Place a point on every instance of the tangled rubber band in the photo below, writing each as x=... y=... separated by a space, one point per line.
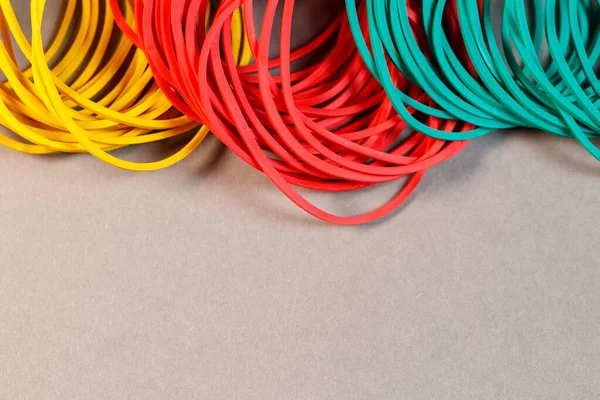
x=507 y=83
x=326 y=127
x=85 y=101
x=397 y=87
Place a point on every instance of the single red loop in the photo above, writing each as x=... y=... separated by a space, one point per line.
x=327 y=127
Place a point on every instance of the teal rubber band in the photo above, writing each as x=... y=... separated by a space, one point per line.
x=505 y=84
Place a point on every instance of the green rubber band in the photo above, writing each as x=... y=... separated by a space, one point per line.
x=505 y=84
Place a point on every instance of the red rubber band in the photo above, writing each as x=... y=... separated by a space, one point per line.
x=328 y=127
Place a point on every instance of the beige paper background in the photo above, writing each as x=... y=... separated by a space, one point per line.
x=203 y=282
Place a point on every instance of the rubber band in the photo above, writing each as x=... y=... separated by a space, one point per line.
x=504 y=84
x=326 y=127
x=81 y=99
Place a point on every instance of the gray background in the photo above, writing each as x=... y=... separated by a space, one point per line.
x=203 y=282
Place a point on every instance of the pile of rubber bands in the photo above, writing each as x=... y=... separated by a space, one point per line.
x=389 y=89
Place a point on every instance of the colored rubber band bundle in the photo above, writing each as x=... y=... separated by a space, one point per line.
x=507 y=83
x=328 y=126
x=388 y=90
x=75 y=99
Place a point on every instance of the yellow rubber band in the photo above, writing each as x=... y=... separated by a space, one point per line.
x=80 y=100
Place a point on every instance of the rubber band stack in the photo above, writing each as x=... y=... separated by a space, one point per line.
x=388 y=90
x=511 y=82
x=326 y=127
x=77 y=105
